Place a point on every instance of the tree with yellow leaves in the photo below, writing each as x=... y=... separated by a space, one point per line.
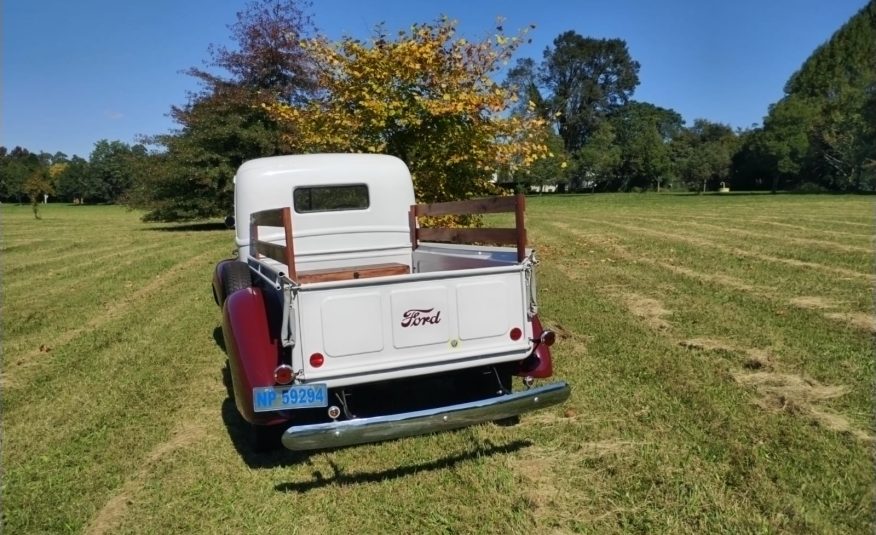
x=426 y=96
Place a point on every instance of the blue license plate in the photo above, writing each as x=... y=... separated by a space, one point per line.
x=276 y=398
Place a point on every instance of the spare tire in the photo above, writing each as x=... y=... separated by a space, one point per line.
x=235 y=276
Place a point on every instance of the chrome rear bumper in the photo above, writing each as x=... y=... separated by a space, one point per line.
x=378 y=428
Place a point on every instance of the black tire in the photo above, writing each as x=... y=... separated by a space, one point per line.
x=235 y=276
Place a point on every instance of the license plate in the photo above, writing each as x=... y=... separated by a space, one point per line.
x=275 y=398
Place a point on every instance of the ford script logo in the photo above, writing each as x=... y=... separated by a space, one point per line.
x=419 y=316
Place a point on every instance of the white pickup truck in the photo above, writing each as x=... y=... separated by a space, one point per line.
x=346 y=322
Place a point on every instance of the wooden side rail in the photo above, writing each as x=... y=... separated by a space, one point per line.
x=278 y=217
x=489 y=205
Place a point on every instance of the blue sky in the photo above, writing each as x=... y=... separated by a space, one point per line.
x=77 y=72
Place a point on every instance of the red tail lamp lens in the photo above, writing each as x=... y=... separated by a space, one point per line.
x=284 y=374
x=317 y=360
x=516 y=333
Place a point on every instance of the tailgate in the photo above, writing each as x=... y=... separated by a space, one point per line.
x=413 y=324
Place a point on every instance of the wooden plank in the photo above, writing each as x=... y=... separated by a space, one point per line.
x=412 y=224
x=519 y=224
x=267 y=218
x=497 y=236
x=486 y=205
x=290 y=244
x=271 y=250
x=351 y=273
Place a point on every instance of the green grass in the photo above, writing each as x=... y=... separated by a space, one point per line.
x=719 y=348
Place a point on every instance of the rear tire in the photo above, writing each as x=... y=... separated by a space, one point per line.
x=235 y=276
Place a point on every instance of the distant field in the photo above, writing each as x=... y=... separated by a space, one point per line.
x=719 y=348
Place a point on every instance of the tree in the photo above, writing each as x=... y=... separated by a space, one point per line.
x=523 y=81
x=588 y=79
x=112 y=167
x=643 y=133
x=35 y=186
x=820 y=132
x=226 y=122
x=703 y=154
x=597 y=161
x=425 y=96
x=552 y=169
x=77 y=184
x=16 y=167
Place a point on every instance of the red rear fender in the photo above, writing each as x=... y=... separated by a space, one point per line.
x=539 y=364
x=253 y=347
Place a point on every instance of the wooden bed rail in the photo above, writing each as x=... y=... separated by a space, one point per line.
x=278 y=217
x=495 y=236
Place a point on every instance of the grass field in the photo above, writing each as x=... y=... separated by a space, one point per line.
x=720 y=351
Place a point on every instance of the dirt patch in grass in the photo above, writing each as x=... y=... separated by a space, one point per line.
x=707 y=344
x=799 y=396
x=858 y=320
x=540 y=486
x=546 y=490
x=811 y=302
x=755 y=359
x=758 y=359
x=649 y=310
x=567 y=335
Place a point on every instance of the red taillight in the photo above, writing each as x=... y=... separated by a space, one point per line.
x=284 y=374
x=516 y=333
x=317 y=360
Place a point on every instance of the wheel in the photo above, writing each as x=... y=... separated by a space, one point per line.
x=235 y=276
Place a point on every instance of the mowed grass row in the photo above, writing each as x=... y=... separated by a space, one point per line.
x=719 y=349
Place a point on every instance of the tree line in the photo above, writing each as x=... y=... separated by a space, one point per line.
x=434 y=99
x=820 y=137
x=105 y=177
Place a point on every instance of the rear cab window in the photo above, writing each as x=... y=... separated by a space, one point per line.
x=308 y=199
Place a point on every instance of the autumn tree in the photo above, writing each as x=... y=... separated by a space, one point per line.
x=424 y=95
x=524 y=82
x=37 y=184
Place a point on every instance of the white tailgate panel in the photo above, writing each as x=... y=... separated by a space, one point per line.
x=482 y=309
x=352 y=325
x=375 y=331
x=420 y=316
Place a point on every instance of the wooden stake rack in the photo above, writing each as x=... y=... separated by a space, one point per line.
x=282 y=217
x=285 y=254
x=493 y=236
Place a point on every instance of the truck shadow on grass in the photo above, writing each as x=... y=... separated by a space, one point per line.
x=339 y=477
